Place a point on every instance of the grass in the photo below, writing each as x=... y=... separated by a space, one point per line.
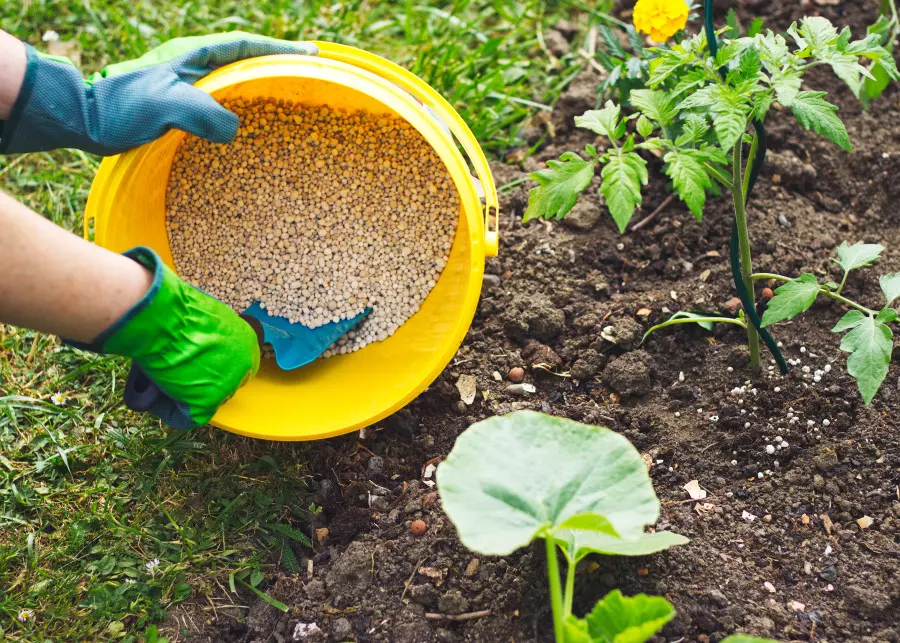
x=92 y=495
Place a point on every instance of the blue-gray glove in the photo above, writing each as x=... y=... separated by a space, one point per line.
x=131 y=103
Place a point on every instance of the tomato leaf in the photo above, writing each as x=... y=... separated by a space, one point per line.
x=694 y=129
x=858 y=255
x=623 y=177
x=851 y=319
x=815 y=113
x=656 y=105
x=601 y=121
x=559 y=187
x=890 y=286
x=870 y=343
x=690 y=178
x=791 y=299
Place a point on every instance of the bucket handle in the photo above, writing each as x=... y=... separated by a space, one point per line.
x=424 y=92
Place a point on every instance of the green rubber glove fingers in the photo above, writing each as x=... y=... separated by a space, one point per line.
x=131 y=103
x=196 y=350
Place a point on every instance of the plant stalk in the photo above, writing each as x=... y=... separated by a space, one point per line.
x=569 y=595
x=843 y=282
x=740 y=218
x=556 y=600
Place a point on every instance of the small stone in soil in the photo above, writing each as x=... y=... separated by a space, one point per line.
x=418 y=528
x=516 y=375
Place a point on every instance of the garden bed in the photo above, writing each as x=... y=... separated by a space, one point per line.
x=776 y=549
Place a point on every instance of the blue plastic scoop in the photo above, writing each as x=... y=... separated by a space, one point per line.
x=296 y=345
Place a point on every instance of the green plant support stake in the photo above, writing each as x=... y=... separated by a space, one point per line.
x=755 y=330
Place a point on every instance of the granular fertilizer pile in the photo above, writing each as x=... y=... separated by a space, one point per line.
x=317 y=214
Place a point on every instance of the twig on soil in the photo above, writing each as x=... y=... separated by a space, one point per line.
x=646 y=220
x=410 y=579
x=431 y=616
x=684 y=502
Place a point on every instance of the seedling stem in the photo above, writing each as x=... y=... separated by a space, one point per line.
x=556 y=599
x=738 y=192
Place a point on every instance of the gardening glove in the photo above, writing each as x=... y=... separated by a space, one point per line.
x=192 y=350
x=131 y=103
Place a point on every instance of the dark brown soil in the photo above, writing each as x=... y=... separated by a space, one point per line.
x=800 y=570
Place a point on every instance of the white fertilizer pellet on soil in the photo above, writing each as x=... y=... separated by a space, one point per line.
x=317 y=214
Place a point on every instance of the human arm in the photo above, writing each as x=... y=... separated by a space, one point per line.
x=58 y=283
x=194 y=348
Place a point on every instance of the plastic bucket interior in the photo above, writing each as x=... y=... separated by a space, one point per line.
x=126 y=208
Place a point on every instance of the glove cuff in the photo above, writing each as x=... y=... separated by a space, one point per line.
x=150 y=260
x=8 y=126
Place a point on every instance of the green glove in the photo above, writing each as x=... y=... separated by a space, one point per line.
x=194 y=349
x=130 y=103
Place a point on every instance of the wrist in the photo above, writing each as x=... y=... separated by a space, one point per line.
x=13 y=64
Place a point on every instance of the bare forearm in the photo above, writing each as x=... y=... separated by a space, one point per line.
x=56 y=282
x=13 y=61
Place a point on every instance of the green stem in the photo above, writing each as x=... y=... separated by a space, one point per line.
x=694 y=320
x=556 y=600
x=895 y=19
x=740 y=217
x=751 y=156
x=719 y=176
x=822 y=289
x=569 y=596
x=843 y=281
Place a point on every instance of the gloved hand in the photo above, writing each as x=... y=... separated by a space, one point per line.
x=193 y=348
x=130 y=103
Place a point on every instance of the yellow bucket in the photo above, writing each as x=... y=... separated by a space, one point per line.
x=126 y=208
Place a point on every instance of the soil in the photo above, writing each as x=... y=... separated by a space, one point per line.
x=776 y=551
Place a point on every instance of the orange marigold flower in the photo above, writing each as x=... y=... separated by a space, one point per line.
x=660 y=19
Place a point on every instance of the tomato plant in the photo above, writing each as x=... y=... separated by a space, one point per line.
x=702 y=97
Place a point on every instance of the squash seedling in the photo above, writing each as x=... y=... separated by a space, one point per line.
x=581 y=489
x=702 y=95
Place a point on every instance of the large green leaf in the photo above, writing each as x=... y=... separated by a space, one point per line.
x=601 y=121
x=623 y=176
x=870 y=343
x=890 y=286
x=690 y=178
x=655 y=104
x=577 y=543
x=513 y=478
x=815 y=113
x=620 y=619
x=858 y=255
x=559 y=187
x=791 y=299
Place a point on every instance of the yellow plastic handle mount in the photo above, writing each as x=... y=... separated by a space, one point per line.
x=444 y=110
